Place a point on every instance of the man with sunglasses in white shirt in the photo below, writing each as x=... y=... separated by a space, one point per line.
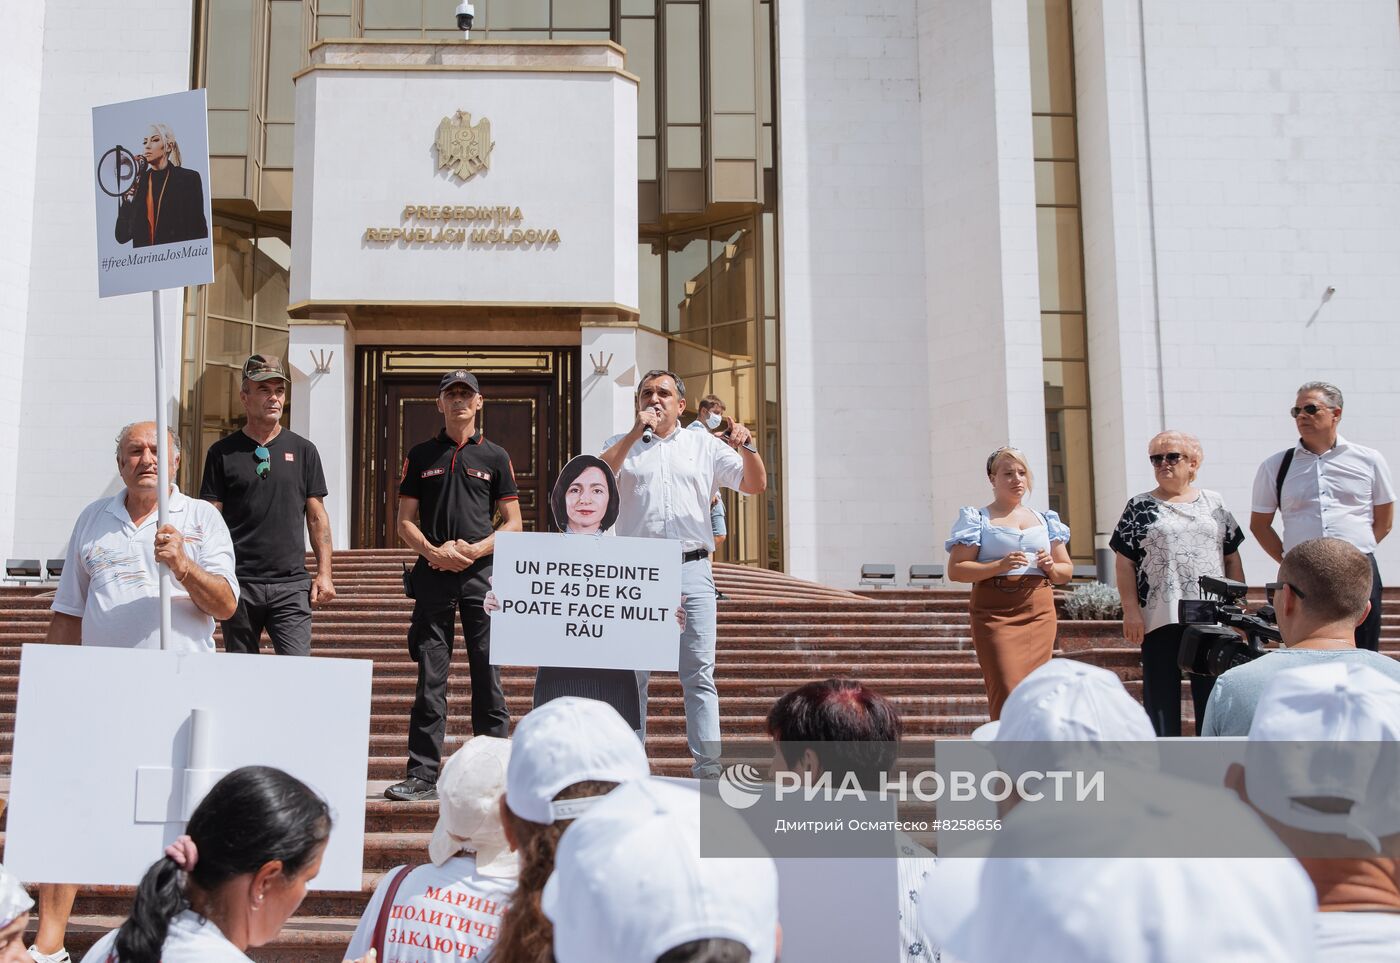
x=1326 y=487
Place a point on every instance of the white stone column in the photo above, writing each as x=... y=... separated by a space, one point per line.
x=323 y=405
x=985 y=379
x=606 y=398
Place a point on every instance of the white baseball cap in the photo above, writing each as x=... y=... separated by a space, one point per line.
x=1132 y=909
x=1067 y=701
x=629 y=882
x=469 y=814
x=1290 y=768
x=565 y=741
x=14 y=901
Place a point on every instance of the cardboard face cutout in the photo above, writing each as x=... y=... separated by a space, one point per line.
x=585 y=498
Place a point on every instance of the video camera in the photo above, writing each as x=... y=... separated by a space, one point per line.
x=1210 y=645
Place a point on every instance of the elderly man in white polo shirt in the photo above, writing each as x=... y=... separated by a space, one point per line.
x=110 y=592
x=667 y=477
x=1327 y=487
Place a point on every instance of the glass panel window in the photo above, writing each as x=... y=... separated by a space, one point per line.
x=231 y=294
x=228 y=342
x=683 y=148
x=333 y=28
x=279 y=146
x=1061 y=271
x=270 y=342
x=284 y=53
x=1054 y=138
x=519 y=15
x=582 y=13
x=639 y=37
x=226 y=68
x=1066 y=384
x=733 y=86
x=638 y=8
x=683 y=63
x=649 y=283
x=228 y=132
x=393 y=13
x=686 y=276
x=1056 y=182
x=1070 y=488
x=1052 y=57
x=735 y=135
x=1062 y=335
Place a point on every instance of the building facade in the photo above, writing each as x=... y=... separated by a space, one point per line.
x=893 y=237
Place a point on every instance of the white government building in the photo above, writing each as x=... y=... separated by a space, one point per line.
x=893 y=235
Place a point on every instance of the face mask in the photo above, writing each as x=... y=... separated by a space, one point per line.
x=713 y=420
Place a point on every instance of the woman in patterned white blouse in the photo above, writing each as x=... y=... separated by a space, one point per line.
x=1165 y=541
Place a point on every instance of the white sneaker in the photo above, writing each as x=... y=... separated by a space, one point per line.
x=60 y=957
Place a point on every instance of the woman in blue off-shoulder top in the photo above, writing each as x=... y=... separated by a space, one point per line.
x=1011 y=554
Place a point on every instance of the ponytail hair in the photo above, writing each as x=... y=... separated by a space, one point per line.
x=527 y=935
x=251 y=817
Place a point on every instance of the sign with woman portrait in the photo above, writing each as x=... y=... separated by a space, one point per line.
x=151 y=171
x=582 y=598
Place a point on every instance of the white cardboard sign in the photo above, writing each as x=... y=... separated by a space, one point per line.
x=151 y=177
x=103 y=737
x=586 y=601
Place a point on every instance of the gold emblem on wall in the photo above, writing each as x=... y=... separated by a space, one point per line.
x=464 y=148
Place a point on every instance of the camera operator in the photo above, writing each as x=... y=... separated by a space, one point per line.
x=1322 y=594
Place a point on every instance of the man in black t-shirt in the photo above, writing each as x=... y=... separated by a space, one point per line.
x=450 y=489
x=268 y=483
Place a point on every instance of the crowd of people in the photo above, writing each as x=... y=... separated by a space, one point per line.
x=557 y=843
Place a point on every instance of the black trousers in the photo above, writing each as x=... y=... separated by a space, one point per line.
x=1368 y=633
x=283 y=608
x=441 y=598
x=1161 y=681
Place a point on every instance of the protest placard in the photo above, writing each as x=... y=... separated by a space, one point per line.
x=586 y=601
x=151 y=171
x=106 y=777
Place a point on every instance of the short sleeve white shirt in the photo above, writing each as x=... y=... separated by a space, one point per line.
x=666 y=486
x=111 y=579
x=1330 y=495
x=441 y=914
x=191 y=939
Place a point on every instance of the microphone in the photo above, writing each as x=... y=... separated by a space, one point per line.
x=646 y=435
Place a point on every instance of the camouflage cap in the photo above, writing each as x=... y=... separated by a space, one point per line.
x=260 y=368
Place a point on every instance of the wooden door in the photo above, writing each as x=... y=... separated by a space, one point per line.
x=515 y=416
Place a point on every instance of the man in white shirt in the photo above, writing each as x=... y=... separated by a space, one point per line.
x=110 y=592
x=667 y=477
x=1326 y=487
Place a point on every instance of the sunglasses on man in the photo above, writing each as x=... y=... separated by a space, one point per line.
x=1310 y=409
x=264 y=458
x=1171 y=458
x=1272 y=589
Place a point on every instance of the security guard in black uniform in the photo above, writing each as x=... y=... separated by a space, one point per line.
x=450 y=488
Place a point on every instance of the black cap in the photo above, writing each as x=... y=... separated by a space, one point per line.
x=459 y=377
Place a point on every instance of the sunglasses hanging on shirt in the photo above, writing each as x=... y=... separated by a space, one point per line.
x=264 y=458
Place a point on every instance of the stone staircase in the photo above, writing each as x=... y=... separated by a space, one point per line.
x=775 y=633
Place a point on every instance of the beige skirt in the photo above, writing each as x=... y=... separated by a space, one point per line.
x=1013 y=631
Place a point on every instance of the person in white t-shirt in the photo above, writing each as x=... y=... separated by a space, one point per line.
x=110 y=590
x=109 y=593
x=253 y=844
x=449 y=909
x=667 y=476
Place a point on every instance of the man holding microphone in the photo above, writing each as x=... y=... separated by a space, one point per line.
x=668 y=476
